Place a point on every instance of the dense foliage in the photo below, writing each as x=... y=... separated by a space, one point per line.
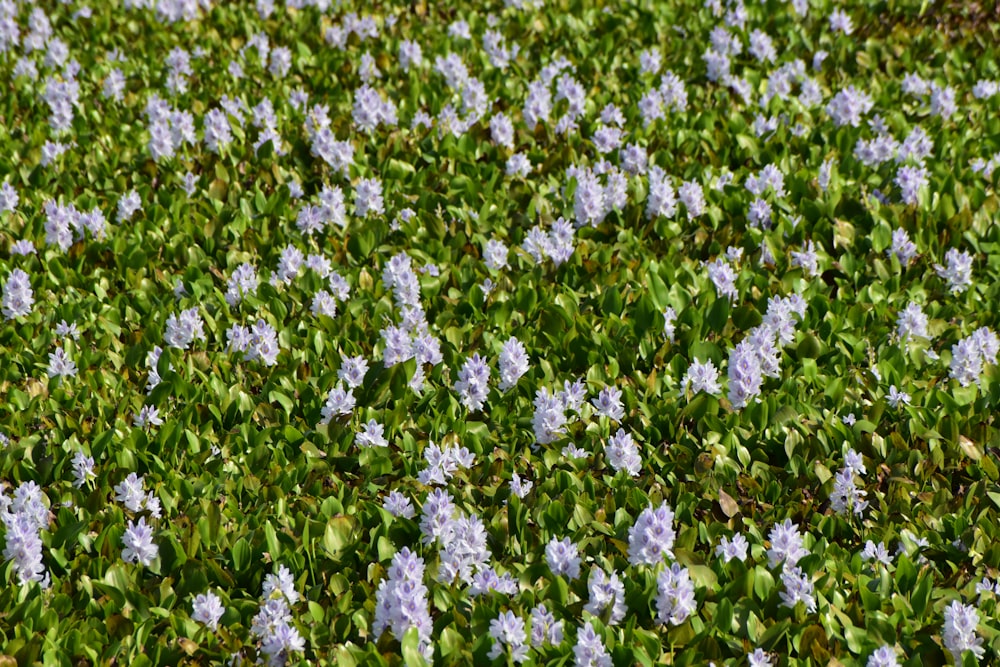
x=542 y=332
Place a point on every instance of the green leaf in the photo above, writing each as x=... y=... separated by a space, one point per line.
x=857 y=639
x=718 y=315
x=906 y=574
x=921 y=596
x=411 y=649
x=724 y=616
x=657 y=288
x=271 y=537
x=338 y=536
x=241 y=555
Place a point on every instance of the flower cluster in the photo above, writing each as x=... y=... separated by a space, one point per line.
x=786 y=544
x=960 y=633
x=589 y=650
x=443 y=462
x=24 y=517
x=18 y=298
x=563 y=557
x=401 y=601
x=623 y=453
x=138 y=545
x=184 y=329
x=846 y=496
x=507 y=632
x=514 y=363
x=472 y=383
x=274 y=625
x=607 y=596
x=674 y=595
x=971 y=354
x=651 y=537
x=258 y=342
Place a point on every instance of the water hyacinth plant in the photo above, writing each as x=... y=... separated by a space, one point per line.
x=520 y=332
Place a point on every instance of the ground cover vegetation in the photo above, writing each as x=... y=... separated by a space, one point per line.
x=524 y=332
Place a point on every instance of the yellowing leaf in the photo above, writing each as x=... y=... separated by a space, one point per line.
x=971 y=449
x=729 y=506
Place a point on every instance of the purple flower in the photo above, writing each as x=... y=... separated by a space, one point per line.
x=545 y=629
x=652 y=536
x=883 y=656
x=910 y=180
x=745 y=374
x=60 y=364
x=8 y=198
x=971 y=354
x=633 y=159
x=280 y=583
x=338 y=402
x=518 y=165
x=368 y=198
x=207 y=608
x=896 y=397
x=721 y=273
x=495 y=255
x=674 y=595
x=589 y=650
x=281 y=62
x=839 y=20
x=148 y=415
x=370 y=110
x=514 y=363
x=848 y=106
x=520 y=487
x=759 y=659
x=662 y=200
x=83 y=468
x=549 y=419
x=352 y=371
x=609 y=404
x=507 y=632
x=735 y=548
x=876 y=552
x=241 y=283
x=960 y=631
x=693 y=198
x=138 y=543
x=401 y=601
x=18 y=298
x=444 y=462
x=472 y=383
x=184 y=329
x=398 y=505
x=912 y=323
x=958 y=270
x=372 y=434
x=465 y=552
x=24 y=545
x=786 y=544
x=669 y=323
x=606 y=596
x=563 y=557
x=623 y=454
x=798 y=588
x=701 y=377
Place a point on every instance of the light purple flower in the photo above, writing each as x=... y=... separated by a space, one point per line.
x=609 y=404
x=207 y=608
x=138 y=543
